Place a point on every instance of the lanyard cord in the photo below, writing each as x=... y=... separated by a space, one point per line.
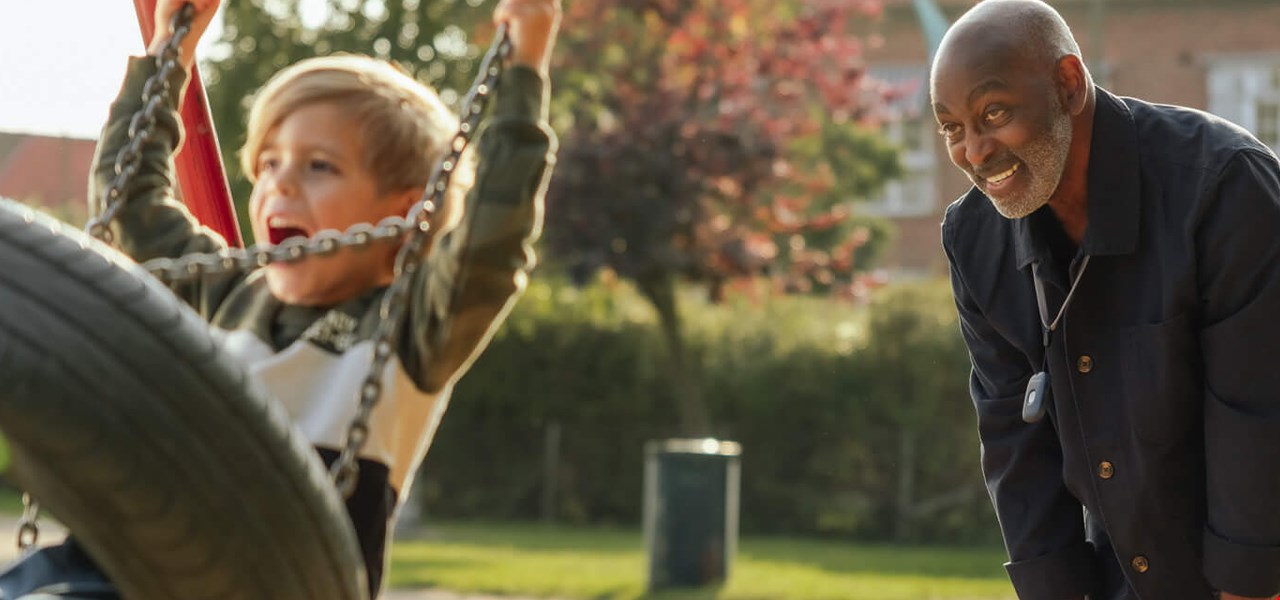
x=1048 y=327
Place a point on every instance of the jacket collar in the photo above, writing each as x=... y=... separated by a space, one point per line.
x=1114 y=188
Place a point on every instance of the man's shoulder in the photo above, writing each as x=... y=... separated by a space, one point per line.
x=1188 y=137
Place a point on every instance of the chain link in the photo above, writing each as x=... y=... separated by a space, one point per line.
x=192 y=266
x=346 y=470
x=29 y=526
x=142 y=127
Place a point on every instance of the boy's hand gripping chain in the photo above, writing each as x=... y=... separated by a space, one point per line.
x=345 y=470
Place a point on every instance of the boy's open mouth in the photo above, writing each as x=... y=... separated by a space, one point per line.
x=280 y=234
x=279 y=230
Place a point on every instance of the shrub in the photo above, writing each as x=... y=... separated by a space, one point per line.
x=854 y=421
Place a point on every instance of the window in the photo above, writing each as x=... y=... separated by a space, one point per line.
x=1268 y=127
x=914 y=193
x=1246 y=91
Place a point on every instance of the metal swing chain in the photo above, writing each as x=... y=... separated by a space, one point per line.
x=155 y=94
x=346 y=469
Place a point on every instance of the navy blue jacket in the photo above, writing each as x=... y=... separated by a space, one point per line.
x=1164 y=423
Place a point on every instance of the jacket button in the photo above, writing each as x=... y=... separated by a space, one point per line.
x=1106 y=470
x=1084 y=364
x=1140 y=564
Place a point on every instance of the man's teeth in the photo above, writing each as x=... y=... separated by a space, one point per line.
x=999 y=177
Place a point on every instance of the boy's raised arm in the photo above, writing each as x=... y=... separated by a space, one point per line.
x=476 y=269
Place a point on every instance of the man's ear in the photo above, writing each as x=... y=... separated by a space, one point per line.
x=1073 y=84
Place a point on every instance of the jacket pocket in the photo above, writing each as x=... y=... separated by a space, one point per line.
x=1163 y=393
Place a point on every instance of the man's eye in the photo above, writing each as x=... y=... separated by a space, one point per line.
x=994 y=115
x=951 y=131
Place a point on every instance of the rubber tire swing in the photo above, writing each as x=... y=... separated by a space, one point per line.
x=130 y=425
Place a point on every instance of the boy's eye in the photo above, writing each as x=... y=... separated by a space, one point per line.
x=323 y=166
x=267 y=164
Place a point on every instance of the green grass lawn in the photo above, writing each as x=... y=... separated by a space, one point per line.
x=598 y=563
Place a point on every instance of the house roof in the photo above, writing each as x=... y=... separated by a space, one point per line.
x=43 y=170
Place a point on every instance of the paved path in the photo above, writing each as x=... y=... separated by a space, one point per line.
x=52 y=533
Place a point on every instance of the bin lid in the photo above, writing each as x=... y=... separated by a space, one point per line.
x=694 y=446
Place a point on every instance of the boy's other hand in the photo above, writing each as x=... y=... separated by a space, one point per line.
x=532 y=25
x=165 y=9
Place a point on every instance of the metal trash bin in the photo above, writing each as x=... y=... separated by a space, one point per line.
x=690 y=510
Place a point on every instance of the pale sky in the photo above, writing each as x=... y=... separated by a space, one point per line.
x=61 y=63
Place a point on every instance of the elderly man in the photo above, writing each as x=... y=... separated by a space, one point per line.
x=1116 y=267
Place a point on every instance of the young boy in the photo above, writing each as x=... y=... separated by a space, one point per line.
x=333 y=142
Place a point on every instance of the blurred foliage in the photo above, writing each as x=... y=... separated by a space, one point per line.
x=716 y=139
x=821 y=394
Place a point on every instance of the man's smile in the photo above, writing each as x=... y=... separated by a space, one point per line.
x=999 y=178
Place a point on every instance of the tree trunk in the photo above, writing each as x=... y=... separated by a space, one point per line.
x=691 y=407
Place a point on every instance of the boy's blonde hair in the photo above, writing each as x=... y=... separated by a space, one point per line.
x=405 y=128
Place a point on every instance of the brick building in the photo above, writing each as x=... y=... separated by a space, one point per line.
x=1217 y=55
x=50 y=173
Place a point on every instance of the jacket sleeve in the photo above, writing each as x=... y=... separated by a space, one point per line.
x=475 y=270
x=152 y=224
x=1239 y=286
x=1042 y=523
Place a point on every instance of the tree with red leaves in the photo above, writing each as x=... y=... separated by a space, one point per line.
x=715 y=140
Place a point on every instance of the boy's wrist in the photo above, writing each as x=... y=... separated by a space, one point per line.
x=522 y=93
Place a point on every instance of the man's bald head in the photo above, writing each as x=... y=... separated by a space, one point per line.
x=1028 y=33
x=1013 y=101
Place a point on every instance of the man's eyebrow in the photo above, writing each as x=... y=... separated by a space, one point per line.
x=989 y=85
x=986 y=86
